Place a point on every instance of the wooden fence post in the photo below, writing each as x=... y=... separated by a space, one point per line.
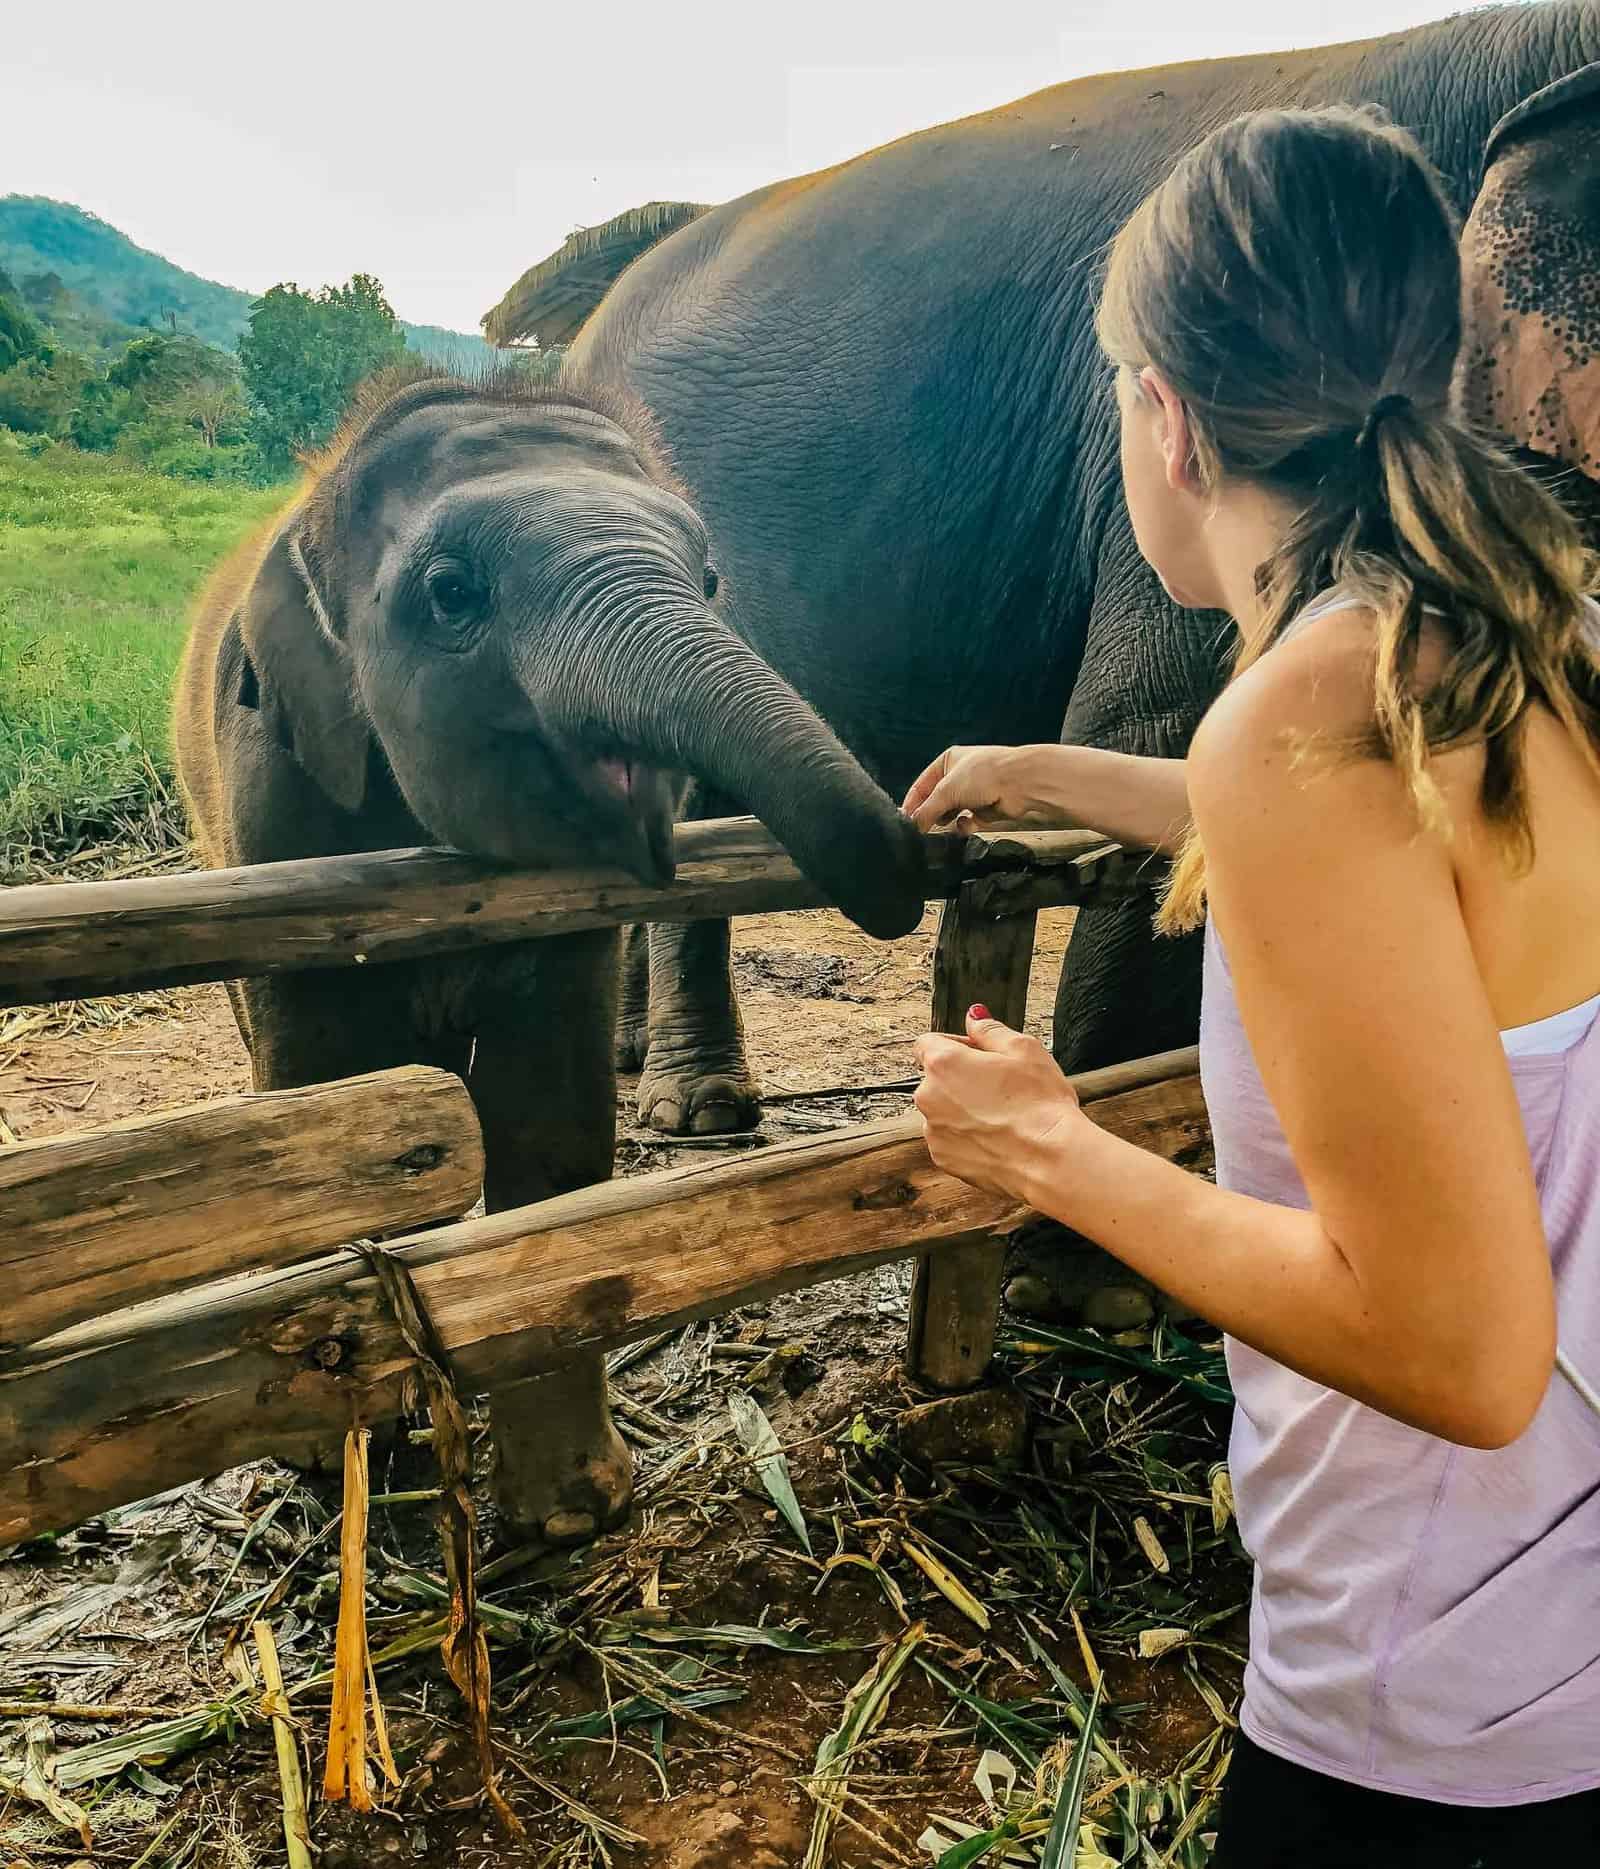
x=981 y=959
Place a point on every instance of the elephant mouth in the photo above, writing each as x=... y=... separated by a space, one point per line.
x=618 y=777
x=621 y=806
x=622 y=773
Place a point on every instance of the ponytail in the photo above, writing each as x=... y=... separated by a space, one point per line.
x=1297 y=281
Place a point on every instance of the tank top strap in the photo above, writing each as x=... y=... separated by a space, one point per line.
x=1328 y=604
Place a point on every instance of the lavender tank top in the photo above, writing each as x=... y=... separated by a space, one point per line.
x=1425 y=1617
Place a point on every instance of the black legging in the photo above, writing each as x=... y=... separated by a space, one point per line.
x=1276 y=1815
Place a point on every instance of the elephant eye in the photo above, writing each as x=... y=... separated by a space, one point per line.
x=712 y=580
x=452 y=593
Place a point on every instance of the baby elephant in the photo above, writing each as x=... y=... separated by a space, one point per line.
x=488 y=620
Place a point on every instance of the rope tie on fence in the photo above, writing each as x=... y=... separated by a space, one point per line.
x=464 y=1650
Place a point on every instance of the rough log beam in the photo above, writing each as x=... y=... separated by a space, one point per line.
x=110 y=1217
x=131 y=1404
x=71 y=940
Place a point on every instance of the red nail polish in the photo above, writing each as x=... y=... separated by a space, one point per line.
x=978 y=1012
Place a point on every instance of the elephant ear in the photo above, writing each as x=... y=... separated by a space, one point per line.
x=552 y=301
x=1530 y=263
x=303 y=679
x=1540 y=107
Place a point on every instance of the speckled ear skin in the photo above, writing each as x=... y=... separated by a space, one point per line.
x=1530 y=251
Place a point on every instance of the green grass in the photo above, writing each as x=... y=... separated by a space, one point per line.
x=98 y=565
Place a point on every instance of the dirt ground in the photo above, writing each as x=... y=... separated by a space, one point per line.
x=824 y=1005
x=661 y=1695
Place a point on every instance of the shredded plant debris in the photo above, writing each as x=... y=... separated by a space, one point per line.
x=808 y=1647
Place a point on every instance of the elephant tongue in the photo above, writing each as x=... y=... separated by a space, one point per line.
x=617 y=773
x=642 y=789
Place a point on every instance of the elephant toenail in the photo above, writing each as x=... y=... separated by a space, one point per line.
x=570 y=1528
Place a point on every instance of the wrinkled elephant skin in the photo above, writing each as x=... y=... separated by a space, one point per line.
x=880 y=386
x=1530 y=369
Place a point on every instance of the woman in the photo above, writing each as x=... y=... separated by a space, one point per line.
x=1390 y=822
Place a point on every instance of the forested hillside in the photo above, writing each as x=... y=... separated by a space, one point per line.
x=126 y=285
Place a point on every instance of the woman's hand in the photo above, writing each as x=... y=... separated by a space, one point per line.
x=995 y=1105
x=1138 y=801
x=968 y=786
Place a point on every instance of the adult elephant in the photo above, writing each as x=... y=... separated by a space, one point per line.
x=486 y=622
x=880 y=385
x=1530 y=362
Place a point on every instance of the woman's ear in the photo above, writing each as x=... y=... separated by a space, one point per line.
x=1177 y=435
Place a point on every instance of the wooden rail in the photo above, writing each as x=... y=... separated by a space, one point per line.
x=71 y=940
x=281 y=1360
x=153 y=1378
x=109 y=1217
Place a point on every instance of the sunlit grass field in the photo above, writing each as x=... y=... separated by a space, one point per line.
x=98 y=565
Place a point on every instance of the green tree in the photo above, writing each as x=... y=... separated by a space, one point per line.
x=159 y=393
x=215 y=409
x=303 y=356
x=21 y=334
x=39 y=395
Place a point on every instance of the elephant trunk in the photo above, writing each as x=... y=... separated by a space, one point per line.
x=682 y=691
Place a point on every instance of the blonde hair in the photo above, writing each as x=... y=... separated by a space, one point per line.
x=1296 y=280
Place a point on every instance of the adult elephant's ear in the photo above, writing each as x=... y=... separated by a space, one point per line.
x=303 y=677
x=1530 y=258
x=553 y=300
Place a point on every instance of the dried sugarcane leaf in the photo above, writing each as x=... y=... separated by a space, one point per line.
x=1091 y=1665
x=996 y=1779
x=864 y=1707
x=1151 y=1546
x=1223 y=1506
x=619 y=1629
x=1153 y=1643
x=464 y=1650
x=34 y=1781
x=292 y=1790
x=345 y=1775
x=892 y=1590
x=949 y=1586
x=380 y=1727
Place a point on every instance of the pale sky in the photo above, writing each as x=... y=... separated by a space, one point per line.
x=447 y=147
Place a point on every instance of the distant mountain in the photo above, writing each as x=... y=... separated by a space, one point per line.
x=128 y=286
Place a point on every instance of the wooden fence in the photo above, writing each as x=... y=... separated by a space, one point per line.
x=178 y=1295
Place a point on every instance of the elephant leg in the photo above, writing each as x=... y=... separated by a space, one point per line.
x=310 y=1028
x=633 y=1011
x=697 y=1080
x=1124 y=991
x=1149 y=672
x=544 y=1085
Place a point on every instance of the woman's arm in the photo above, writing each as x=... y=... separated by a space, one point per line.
x=1420 y=1283
x=1140 y=802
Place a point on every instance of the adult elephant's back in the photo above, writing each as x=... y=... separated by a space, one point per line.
x=880 y=385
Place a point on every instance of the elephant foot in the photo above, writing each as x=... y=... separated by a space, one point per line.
x=683 y=1101
x=1061 y=1278
x=562 y=1473
x=632 y=1045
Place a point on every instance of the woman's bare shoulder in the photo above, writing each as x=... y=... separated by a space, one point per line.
x=1318 y=685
